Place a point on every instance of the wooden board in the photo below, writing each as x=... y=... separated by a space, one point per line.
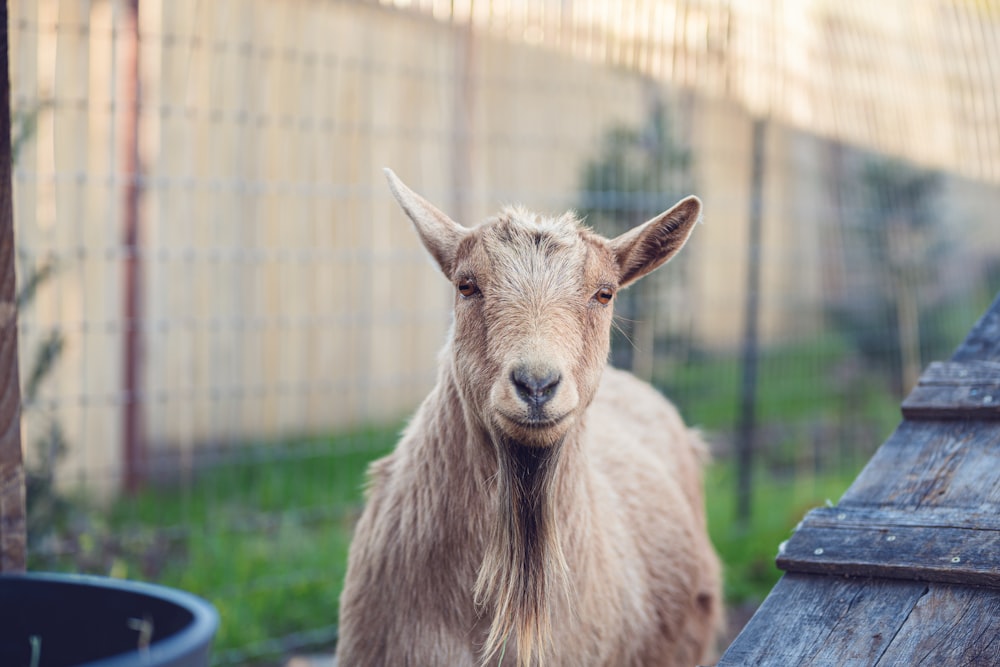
x=956 y=390
x=949 y=626
x=953 y=464
x=820 y=620
x=948 y=546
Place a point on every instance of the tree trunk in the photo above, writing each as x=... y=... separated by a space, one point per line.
x=13 y=526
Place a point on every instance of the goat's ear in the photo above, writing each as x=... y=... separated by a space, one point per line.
x=439 y=233
x=644 y=248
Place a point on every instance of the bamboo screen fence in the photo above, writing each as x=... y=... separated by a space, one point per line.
x=214 y=275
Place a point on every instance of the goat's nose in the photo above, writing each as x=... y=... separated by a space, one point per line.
x=535 y=387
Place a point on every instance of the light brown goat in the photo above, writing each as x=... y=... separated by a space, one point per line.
x=541 y=507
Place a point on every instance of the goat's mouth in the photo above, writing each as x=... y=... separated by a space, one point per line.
x=534 y=422
x=541 y=430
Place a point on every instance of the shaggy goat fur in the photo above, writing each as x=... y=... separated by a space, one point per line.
x=541 y=507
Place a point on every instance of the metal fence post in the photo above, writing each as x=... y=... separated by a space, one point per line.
x=746 y=429
x=132 y=426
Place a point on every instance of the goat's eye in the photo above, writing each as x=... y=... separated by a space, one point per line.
x=467 y=287
x=604 y=296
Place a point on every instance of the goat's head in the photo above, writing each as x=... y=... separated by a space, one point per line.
x=533 y=307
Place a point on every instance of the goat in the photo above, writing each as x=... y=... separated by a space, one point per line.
x=541 y=507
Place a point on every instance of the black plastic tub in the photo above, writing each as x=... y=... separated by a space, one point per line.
x=55 y=620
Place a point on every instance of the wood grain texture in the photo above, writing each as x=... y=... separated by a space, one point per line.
x=12 y=505
x=819 y=620
x=956 y=390
x=889 y=518
x=951 y=625
x=873 y=544
x=952 y=464
x=975 y=372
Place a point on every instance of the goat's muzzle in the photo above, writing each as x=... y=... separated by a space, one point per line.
x=535 y=386
x=534 y=403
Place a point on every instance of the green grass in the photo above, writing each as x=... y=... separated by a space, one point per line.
x=820 y=414
x=779 y=503
x=265 y=539
x=794 y=382
x=267 y=542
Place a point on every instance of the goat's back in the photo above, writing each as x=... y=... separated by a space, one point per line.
x=634 y=433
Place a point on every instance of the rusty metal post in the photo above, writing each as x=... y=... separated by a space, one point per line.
x=133 y=444
x=13 y=527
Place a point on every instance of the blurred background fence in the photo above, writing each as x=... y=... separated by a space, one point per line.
x=223 y=316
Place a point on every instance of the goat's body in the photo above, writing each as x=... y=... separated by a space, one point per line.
x=643 y=579
x=540 y=508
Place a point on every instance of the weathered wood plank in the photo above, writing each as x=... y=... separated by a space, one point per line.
x=949 y=626
x=889 y=518
x=952 y=402
x=956 y=390
x=817 y=620
x=915 y=553
x=962 y=373
x=933 y=464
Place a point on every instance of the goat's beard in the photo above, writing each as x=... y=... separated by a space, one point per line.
x=523 y=565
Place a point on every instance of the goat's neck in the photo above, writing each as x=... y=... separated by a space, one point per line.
x=528 y=493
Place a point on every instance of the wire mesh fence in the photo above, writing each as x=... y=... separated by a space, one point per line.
x=223 y=318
